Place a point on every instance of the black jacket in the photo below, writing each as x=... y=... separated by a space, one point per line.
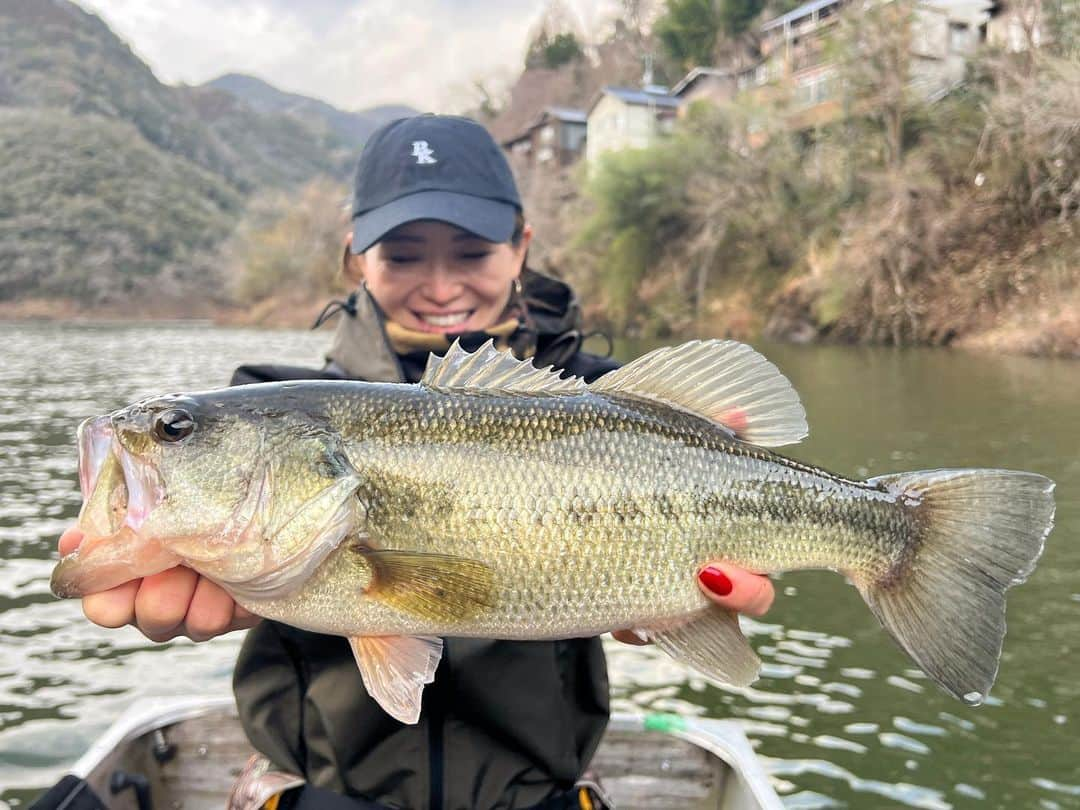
x=506 y=724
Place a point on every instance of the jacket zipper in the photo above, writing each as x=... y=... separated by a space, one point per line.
x=436 y=720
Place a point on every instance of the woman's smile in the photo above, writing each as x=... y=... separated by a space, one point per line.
x=434 y=277
x=444 y=321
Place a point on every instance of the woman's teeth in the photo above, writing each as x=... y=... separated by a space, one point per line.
x=452 y=319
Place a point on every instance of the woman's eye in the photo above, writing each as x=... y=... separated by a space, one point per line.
x=477 y=255
x=404 y=259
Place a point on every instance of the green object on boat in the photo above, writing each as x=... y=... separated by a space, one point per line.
x=666 y=723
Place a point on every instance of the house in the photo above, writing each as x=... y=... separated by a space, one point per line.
x=708 y=84
x=628 y=118
x=557 y=136
x=945 y=34
x=794 y=52
x=1017 y=25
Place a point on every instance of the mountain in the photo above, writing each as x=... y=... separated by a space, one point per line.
x=352 y=127
x=113 y=184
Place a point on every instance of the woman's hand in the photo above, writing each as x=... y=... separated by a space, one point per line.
x=177 y=602
x=728 y=586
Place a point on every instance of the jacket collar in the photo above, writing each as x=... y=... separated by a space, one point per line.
x=551 y=332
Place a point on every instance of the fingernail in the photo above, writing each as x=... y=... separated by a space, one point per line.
x=715 y=580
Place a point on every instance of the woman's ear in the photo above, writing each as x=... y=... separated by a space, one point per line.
x=352 y=264
x=522 y=247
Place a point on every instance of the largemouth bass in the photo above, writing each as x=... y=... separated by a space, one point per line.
x=493 y=499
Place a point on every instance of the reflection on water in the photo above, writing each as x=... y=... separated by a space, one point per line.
x=840 y=716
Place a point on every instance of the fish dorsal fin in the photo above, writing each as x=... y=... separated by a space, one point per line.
x=396 y=669
x=721 y=380
x=490 y=369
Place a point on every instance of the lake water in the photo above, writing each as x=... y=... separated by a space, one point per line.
x=840 y=717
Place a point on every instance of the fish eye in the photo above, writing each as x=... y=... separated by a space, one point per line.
x=173 y=425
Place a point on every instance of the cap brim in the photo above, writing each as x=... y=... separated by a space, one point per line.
x=492 y=220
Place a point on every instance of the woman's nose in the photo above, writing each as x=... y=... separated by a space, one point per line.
x=441 y=287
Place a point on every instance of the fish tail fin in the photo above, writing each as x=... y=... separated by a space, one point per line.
x=980 y=532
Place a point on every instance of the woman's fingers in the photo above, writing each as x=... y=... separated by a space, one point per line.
x=163 y=602
x=70 y=540
x=244 y=618
x=177 y=602
x=210 y=613
x=736 y=589
x=730 y=587
x=114 y=607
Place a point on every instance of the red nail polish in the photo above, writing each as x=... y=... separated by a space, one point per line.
x=715 y=580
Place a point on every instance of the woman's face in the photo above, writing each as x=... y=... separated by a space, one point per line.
x=434 y=277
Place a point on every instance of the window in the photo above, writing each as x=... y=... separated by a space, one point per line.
x=961 y=38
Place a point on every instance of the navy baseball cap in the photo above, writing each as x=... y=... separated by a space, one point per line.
x=438 y=167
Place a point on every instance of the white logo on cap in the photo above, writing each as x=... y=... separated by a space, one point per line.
x=422 y=152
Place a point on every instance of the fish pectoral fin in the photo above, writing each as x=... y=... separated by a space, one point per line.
x=438 y=587
x=721 y=380
x=712 y=644
x=396 y=669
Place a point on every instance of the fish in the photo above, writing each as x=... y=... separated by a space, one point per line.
x=494 y=499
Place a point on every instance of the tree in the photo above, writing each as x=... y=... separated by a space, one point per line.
x=688 y=31
x=736 y=15
x=873 y=46
x=555 y=40
x=289 y=241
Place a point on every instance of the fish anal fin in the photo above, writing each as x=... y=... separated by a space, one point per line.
x=712 y=644
x=396 y=669
x=721 y=380
x=438 y=587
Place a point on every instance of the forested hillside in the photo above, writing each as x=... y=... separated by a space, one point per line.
x=111 y=181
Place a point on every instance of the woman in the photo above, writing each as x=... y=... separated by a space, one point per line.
x=438 y=250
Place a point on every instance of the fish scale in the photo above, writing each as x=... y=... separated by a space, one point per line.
x=497 y=500
x=658 y=493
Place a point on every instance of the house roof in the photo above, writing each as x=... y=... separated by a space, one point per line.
x=635 y=96
x=799 y=11
x=975 y=12
x=690 y=78
x=973 y=9
x=568 y=114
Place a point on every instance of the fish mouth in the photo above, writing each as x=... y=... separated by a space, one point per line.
x=119 y=493
x=133 y=489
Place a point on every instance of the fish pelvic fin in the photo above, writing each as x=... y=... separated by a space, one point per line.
x=720 y=380
x=396 y=669
x=438 y=587
x=944 y=601
x=712 y=644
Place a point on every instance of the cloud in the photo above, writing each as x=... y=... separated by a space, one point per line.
x=352 y=53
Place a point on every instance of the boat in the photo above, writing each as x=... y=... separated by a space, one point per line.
x=185 y=753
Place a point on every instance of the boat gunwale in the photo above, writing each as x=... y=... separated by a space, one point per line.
x=724 y=739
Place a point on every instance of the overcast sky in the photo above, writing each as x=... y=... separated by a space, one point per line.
x=352 y=53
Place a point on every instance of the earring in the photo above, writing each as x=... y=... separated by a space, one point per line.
x=517 y=287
